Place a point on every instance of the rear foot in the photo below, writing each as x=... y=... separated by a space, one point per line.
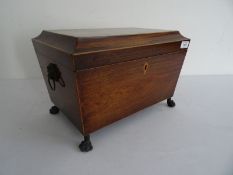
x=170 y=102
x=54 y=110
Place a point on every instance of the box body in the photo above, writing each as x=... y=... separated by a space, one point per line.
x=109 y=74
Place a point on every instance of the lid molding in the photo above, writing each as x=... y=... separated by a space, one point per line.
x=85 y=41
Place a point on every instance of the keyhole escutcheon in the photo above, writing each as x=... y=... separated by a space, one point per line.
x=146 y=65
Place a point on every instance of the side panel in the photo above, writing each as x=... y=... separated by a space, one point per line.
x=109 y=93
x=66 y=98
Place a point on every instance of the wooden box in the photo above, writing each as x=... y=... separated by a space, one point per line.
x=98 y=76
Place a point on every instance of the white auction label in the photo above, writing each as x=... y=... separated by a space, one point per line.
x=184 y=44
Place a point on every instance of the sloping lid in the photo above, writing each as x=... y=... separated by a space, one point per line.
x=83 y=41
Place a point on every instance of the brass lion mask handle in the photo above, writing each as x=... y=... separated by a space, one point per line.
x=54 y=75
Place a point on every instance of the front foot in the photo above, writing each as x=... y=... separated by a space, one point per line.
x=170 y=102
x=86 y=145
x=54 y=110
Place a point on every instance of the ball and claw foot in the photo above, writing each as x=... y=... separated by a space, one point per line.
x=170 y=102
x=86 y=145
x=54 y=110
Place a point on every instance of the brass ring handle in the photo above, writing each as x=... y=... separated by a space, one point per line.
x=61 y=82
x=53 y=87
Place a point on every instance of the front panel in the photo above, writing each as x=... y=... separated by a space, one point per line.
x=109 y=93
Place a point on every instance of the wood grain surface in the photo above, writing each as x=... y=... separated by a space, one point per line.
x=112 y=92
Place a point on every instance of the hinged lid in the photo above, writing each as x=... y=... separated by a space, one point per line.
x=97 y=47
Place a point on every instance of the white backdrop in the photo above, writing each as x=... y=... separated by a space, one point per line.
x=209 y=24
